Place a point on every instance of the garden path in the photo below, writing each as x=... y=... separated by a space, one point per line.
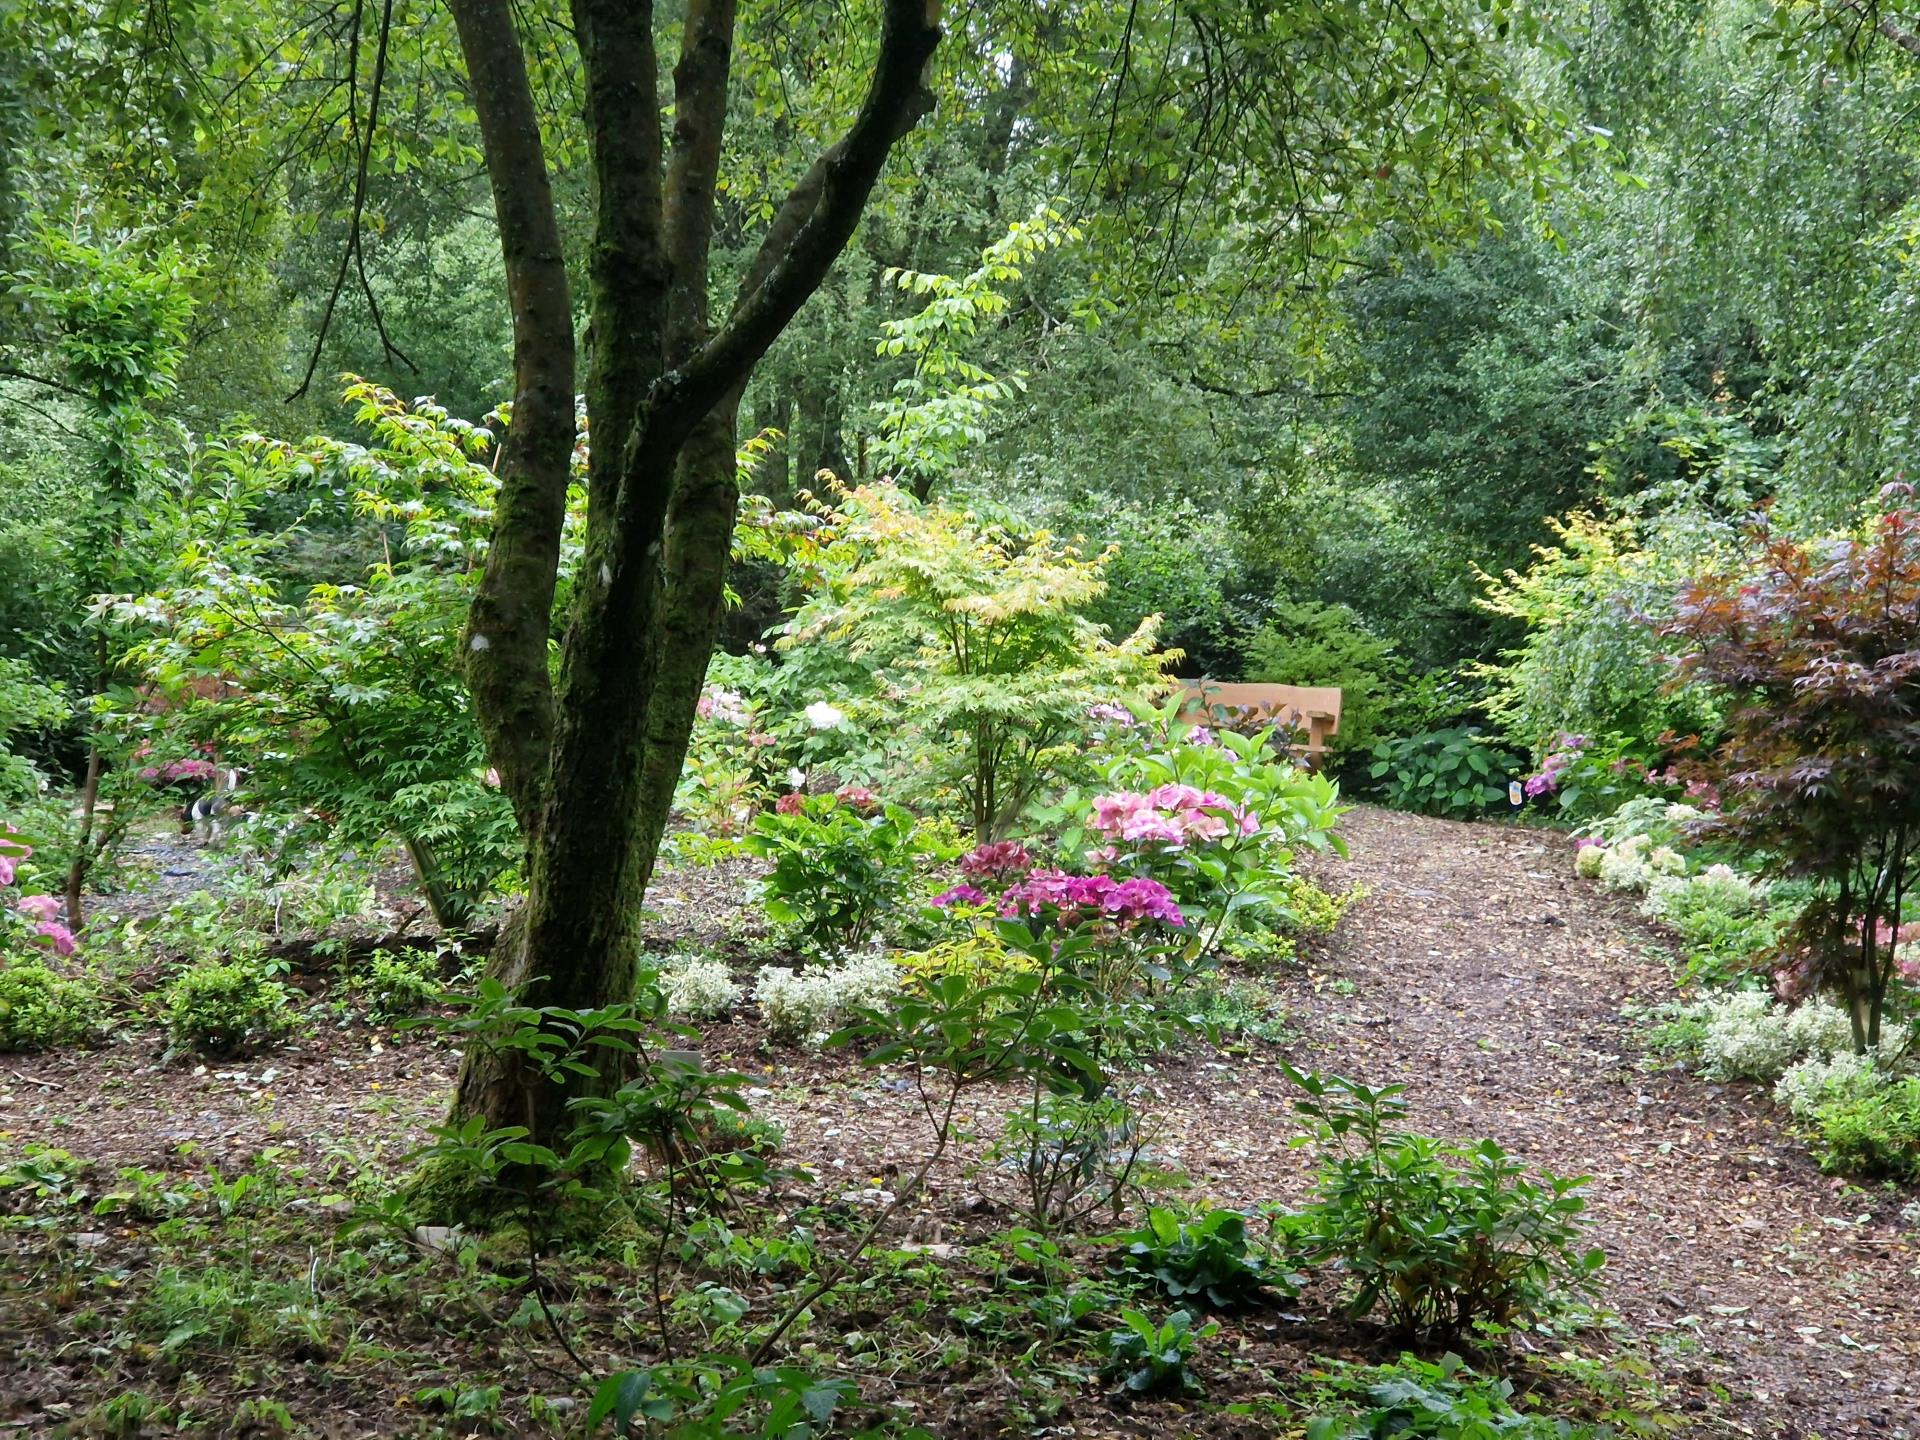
x=1491 y=981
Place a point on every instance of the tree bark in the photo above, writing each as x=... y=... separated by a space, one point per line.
x=663 y=393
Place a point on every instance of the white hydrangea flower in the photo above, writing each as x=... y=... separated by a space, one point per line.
x=824 y=716
x=1624 y=866
x=1587 y=861
x=1665 y=860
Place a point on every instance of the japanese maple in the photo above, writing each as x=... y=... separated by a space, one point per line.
x=1816 y=645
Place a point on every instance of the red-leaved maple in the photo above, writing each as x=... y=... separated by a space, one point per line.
x=1816 y=645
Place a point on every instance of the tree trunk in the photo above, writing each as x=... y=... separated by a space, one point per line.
x=594 y=789
x=626 y=714
x=83 y=849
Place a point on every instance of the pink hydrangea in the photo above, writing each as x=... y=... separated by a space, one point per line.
x=789 y=804
x=996 y=861
x=12 y=851
x=57 y=935
x=176 y=770
x=40 y=907
x=1587 y=842
x=1170 y=815
x=1108 y=712
x=859 y=797
x=960 y=895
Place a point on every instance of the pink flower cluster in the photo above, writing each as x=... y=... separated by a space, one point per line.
x=855 y=797
x=961 y=895
x=1794 y=980
x=177 y=770
x=1072 y=899
x=997 y=861
x=1566 y=749
x=1108 y=712
x=42 y=911
x=1171 y=815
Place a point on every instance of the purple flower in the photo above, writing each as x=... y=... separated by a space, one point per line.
x=1071 y=899
x=960 y=895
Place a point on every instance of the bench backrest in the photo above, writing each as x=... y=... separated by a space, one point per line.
x=1311 y=710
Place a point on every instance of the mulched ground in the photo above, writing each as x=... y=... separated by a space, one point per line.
x=1774 y=1300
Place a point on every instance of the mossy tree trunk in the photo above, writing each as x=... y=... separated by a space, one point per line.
x=591 y=761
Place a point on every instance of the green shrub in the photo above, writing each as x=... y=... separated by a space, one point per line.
x=226 y=1008
x=839 y=864
x=394 y=986
x=1446 y=1239
x=976 y=656
x=1311 y=644
x=1308 y=908
x=1415 y=1399
x=1875 y=1134
x=41 y=1008
x=1456 y=772
x=1588 y=662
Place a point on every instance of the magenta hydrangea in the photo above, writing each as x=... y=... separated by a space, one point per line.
x=1068 y=899
x=1565 y=750
x=960 y=895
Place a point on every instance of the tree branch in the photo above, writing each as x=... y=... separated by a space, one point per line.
x=815 y=222
x=352 y=254
x=512 y=614
x=693 y=169
x=629 y=266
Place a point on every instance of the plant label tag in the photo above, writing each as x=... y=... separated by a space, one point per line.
x=1515 y=797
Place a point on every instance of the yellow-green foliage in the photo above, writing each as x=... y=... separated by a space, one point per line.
x=980 y=956
x=977 y=639
x=1588 y=662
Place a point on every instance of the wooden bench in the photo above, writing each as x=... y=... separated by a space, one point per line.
x=1312 y=710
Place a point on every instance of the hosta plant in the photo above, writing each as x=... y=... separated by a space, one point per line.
x=1200 y=1258
x=1148 y=1359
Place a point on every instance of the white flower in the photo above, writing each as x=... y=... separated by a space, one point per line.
x=822 y=716
x=796 y=778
